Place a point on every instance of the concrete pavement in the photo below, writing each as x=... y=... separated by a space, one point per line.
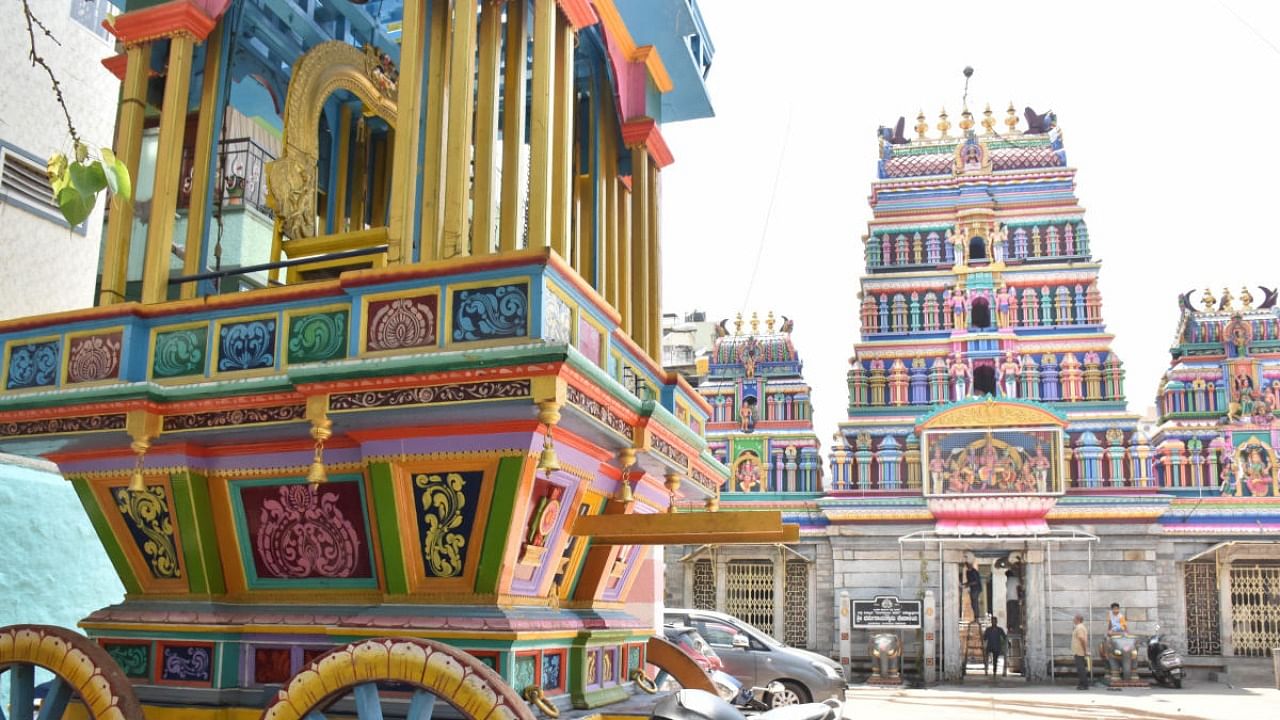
x=1014 y=699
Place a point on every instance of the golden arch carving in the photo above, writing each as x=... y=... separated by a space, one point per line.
x=990 y=414
x=325 y=68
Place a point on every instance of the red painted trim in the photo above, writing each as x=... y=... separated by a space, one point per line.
x=116 y=65
x=579 y=13
x=644 y=131
x=400 y=381
x=172 y=18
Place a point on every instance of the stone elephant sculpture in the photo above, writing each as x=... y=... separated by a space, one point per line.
x=886 y=653
x=1121 y=653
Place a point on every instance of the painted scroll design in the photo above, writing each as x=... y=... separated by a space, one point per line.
x=247 y=345
x=402 y=323
x=322 y=336
x=189 y=663
x=179 y=352
x=489 y=313
x=148 y=519
x=303 y=533
x=442 y=501
x=33 y=365
x=93 y=358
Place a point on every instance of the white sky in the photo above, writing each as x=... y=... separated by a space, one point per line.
x=1168 y=109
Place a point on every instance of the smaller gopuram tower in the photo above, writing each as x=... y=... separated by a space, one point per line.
x=761 y=422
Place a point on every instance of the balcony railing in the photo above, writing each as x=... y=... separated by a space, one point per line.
x=241 y=177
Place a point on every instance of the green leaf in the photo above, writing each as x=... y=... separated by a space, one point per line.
x=88 y=179
x=117 y=175
x=57 y=171
x=75 y=205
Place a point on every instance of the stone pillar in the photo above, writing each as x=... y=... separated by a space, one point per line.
x=952 y=650
x=1225 y=614
x=846 y=637
x=930 y=638
x=780 y=596
x=1036 y=663
x=1000 y=595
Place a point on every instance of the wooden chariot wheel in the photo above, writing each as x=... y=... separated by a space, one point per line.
x=81 y=670
x=396 y=678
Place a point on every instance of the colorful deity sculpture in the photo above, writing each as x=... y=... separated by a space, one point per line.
x=960 y=377
x=1009 y=371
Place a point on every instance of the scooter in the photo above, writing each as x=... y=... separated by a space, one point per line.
x=748 y=699
x=1165 y=662
x=702 y=705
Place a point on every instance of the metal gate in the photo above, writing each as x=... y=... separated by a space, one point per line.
x=797 y=608
x=749 y=592
x=1255 y=609
x=1201 y=590
x=704 y=585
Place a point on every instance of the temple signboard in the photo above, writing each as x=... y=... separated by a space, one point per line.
x=886 y=611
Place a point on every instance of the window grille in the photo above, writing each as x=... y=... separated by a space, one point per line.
x=1255 y=609
x=1203 y=636
x=704 y=585
x=749 y=593
x=796 y=632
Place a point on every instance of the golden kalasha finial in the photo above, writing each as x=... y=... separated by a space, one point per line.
x=755 y=323
x=922 y=126
x=1246 y=298
x=966 y=120
x=768 y=322
x=1012 y=120
x=943 y=124
x=1224 y=303
x=988 y=121
x=737 y=325
x=1208 y=300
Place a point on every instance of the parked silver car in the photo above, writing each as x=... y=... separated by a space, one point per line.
x=756 y=659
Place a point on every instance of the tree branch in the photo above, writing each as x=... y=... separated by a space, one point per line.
x=37 y=60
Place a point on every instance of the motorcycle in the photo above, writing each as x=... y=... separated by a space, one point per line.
x=749 y=699
x=1165 y=662
x=702 y=705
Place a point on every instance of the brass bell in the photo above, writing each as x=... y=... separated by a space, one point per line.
x=137 y=483
x=548 y=462
x=627 y=495
x=317 y=474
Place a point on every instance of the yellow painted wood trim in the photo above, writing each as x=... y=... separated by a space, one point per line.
x=482 y=229
x=685 y=528
x=133 y=106
x=339 y=198
x=202 y=156
x=433 y=163
x=462 y=73
x=337 y=242
x=405 y=153
x=640 y=302
x=542 y=123
x=378 y=199
x=584 y=250
x=647 y=54
x=654 y=328
x=168 y=170
x=511 y=212
x=359 y=188
x=562 y=142
x=623 y=262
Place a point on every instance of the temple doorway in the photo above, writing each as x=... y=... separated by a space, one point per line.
x=1000 y=599
x=980 y=313
x=977 y=248
x=984 y=379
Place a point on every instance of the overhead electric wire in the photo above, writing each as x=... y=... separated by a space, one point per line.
x=773 y=196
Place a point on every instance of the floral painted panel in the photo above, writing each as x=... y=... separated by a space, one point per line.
x=589 y=340
x=133 y=658
x=272 y=665
x=180 y=352
x=319 y=336
x=249 y=345
x=186 y=664
x=404 y=322
x=298 y=531
x=146 y=515
x=491 y=313
x=552 y=667
x=445 y=505
x=526 y=671
x=32 y=365
x=557 y=320
x=91 y=358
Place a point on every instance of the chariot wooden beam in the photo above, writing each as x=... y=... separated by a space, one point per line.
x=707 y=528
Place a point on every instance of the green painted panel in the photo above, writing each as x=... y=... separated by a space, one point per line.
x=318 y=336
x=180 y=352
x=501 y=513
x=384 y=509
x=108 y=538
x=189 y=532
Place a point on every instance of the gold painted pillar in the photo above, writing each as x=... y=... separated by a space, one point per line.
x=562 y=145
x=358 y=190
x=654 y=327
x=405 y=153
x=197 y=205
x=462 y=72
x=344 y=169
x=542 y=123
x=641 y=303
x=168 y=170
x=623 y=223
x=433 y=155
x=511 y=211
x=482 y=230
x=133 y=106
x=378 y=191
x=583 y=245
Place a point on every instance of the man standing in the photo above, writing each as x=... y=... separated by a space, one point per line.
x=993 y=640
x=1116 y=624
x=973 y=581
x=1080 y=649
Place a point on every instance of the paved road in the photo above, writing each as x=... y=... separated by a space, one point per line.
x=978 y=700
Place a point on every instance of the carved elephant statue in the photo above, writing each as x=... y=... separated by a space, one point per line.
x=1121 y=654
x=886 y=653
